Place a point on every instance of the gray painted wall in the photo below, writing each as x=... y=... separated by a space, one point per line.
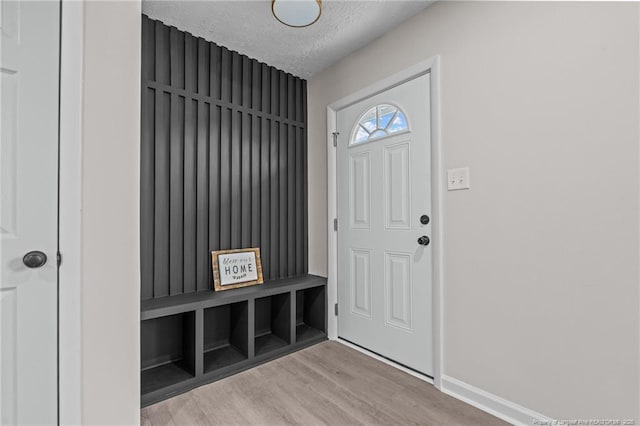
x=223 y=162
x=541 y=101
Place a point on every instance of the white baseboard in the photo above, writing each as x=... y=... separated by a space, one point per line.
x=492 y=404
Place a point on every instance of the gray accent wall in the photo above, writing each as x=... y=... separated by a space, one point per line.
x=223 y=162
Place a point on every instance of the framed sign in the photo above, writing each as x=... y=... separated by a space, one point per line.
x=236 y=268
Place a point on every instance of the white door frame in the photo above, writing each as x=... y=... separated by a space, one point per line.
x=432 y=66
x=70 y=209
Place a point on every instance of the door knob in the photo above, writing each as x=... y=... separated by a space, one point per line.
x=34 y=259
x=424 y=240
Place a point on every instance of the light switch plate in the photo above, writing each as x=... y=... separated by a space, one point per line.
x=458 y=179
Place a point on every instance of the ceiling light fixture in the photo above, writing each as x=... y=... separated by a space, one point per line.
x=296 y=13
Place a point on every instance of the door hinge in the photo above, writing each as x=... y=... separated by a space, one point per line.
x=335 y=138
x=335 y=308
x=335 y=224
x=59 y=258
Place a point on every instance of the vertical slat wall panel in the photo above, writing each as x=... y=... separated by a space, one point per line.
x=202 y=174
x=223 y=162
x=265 y=173
x=190 y=165
x=176 y=195
x=245 y=154
x=282 y=176
x=291 y=183
x=305 y=208
x=215 y=178
x=300 y=174
x=274 y=176
x=147 y=154
x=256 y=168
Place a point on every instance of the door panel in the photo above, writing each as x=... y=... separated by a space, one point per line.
x=397 y=281
x=29 y=43
x=384 y=186
x=360 y=195
x=397 y=177
x=361 y=282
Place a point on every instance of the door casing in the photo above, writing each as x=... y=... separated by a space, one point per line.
x=70 y=208
x=438 y=178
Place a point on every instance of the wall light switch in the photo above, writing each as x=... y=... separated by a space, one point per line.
x=458 y=179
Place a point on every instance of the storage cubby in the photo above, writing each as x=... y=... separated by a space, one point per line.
x=272 y=323
x=226 y=335
x=188 y=340
x=167 y=351
x=310 y=313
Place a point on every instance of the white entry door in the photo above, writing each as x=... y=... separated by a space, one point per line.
x=384 y=212
x=29 y=45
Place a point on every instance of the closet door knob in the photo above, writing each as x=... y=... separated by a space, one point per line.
x=34 y=259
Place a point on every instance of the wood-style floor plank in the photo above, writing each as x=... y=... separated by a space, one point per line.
x=326 y=384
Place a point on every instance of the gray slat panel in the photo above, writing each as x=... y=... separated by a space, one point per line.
x=256 y=171
x=291 y=176
x=147 y=160
x=190 y=63
x=204 y=64
x=215 y=197
x=236 y=78
x=176 y=196
x=177 y=58
x=190 y=166
x=225 y=179
x=282 y=191
x=298 y=116
x=305 y=235
x=245 y=171
x=147 y=199
x=203 y=261
x=274 y=183
x=291 y=200
x=162 y=64
x=300 y=200
x=236 y=137
x=246 y=81
x=148 y=49
x=235 y=187
x=282 y=151
x=225 y=74
x=256 y=85
x=223 y=162
x=190 y=194
x=265 y=175
x=291 y=100
x=215 y=71
x=161 y=197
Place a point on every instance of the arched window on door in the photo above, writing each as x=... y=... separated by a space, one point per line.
x=378 y=122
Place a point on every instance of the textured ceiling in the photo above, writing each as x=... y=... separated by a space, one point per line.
x=249 y=28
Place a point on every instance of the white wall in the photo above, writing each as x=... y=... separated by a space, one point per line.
x=541 y=101
x=110 y=216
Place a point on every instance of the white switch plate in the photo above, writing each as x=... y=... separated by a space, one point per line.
x=458 y=179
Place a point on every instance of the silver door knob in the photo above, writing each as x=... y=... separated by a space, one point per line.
x=34 y=259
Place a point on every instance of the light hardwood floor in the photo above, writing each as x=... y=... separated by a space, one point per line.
x=326 y=384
